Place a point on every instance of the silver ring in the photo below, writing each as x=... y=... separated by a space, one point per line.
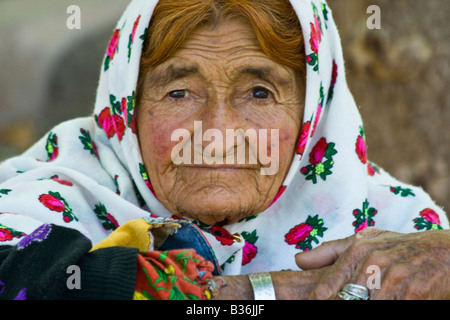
x=353 y=291
x=262 y=286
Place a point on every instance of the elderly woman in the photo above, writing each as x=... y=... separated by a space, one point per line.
x=224 y=149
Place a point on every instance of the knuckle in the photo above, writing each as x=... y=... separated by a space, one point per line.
x=378 y=258
x=358 y=248
x=323 y=291
x=399 y=272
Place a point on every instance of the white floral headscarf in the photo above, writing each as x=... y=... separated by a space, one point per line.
x=88 y=174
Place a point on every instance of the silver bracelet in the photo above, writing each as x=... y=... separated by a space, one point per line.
x=262 y=286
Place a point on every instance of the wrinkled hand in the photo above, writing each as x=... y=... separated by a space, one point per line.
x=412 y=266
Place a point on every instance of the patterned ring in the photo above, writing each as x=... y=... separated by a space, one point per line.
x=342 y=295
x=356 y=290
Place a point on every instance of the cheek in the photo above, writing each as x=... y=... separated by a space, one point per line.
x=288 y=133
x=155 y=140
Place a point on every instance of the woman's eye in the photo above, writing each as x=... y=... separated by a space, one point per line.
x=261 y=93
x=178 y=94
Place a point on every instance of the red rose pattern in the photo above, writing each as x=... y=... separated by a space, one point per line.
x=298 y=234
x=223 y=236
x=361 y=146
x=318 y=152
x=249 y=253
x=304 y=133
x=55 y=202
x=112 y=48
x=428 y=219
x=305 y=233
x=52 y=202
x=8 y=234
x=430 y=215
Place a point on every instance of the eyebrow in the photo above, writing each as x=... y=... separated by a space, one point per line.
x=172 y=73
x=265 y=74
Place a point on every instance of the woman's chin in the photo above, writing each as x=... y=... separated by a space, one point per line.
x=213 y=211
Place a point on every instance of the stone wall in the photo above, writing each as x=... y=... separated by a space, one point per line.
x=399 y=74
x=400 y=77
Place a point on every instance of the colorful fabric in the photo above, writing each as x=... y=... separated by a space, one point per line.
x=139 y=234
x=88 y=173
x=175 y=275
x=54 y=263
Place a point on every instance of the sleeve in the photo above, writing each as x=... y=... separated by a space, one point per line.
x=164 y=275
x=59 y=263
x=54 y=263
x=175 y=275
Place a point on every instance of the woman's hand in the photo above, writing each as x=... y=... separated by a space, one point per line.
x=412 y=266
x=289 y=285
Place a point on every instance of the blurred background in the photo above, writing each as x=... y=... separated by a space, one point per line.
x=399 y=75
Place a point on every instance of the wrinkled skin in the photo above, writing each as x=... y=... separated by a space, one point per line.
x=217 y=80
x=413 y=266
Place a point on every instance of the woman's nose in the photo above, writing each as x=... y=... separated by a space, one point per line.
x=221 y=126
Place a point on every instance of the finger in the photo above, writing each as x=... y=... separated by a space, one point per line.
x=324 y=255
x=346 y=255
x=332 y=281
x=373 y=272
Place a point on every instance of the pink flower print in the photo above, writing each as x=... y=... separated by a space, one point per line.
x=131 y=38
x=428 y=219
x=104 y=121
x=430 y=215
x=133 y=124
x=318 y=152
x=5 y=235
x=304 y=133
x=361 y=149
x=298 y=234
x=316 y=37
x=303 y=234
x=111 y=124
x=249 y=253
x=124 y=109
x=361 y=146
x=362 y=226
x=113 y=44
x=249 y=250
x=119 y=126
x=133 y=33
x=8 y=234
x=321 y=161
x=316 y=120
x=112 y=48
x=55 y=202
x=372 y=169
x=334 y=74
x=52 y=202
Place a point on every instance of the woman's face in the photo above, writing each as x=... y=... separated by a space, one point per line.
x=219 y=79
